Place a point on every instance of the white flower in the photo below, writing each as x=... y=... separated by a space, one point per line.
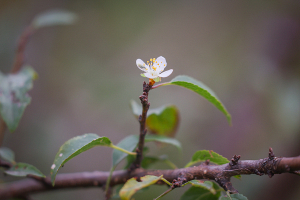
x=154 y=68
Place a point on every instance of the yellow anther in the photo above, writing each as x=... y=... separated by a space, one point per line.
x=164 y=65
x=153 y=59
x=150 y=59
x=154 y=68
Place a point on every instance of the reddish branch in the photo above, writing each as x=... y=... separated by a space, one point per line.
x=219 y=173
x=23 y=40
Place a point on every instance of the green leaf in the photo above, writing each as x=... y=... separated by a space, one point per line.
x=23 y=169
x=207 y=191
x=13 y=95
x=150 y=160
x=7 y=155
x=119 y=187
x=132 y=186
x=161 y=121
x=208 y=185
x=203 y=155
x=201 y=89
x=54 y=17
x=235 y=197
x=149 y=138
x=130 y=159
x=74 y=147
x=163 y=139
x=129 y=143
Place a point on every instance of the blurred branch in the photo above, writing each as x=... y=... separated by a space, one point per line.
x=18 y=63
x=2 y=130
x=219 y=173
x=23 y=40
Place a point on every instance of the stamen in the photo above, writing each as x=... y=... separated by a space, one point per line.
x=154 y=68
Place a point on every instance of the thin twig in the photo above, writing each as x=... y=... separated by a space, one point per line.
x=163 y=194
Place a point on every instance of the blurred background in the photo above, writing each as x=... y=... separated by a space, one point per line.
x=248 y=52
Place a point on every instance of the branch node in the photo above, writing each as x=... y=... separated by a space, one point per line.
x=271 y=154
x=178 y=182
x=207 y=162
x=234 y=160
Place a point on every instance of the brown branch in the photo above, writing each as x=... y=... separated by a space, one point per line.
x=219 y=173
x=142 y=119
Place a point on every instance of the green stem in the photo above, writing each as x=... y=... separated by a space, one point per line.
x=172 y=165
x=163 y=194
x=161 y=84
x=109 y=178
x=228 y=194
x=166 y=181
x=192 y=163
x=123 y=150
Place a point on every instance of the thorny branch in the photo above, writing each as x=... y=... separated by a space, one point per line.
x=219 y=173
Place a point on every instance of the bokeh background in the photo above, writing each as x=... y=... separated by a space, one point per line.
x=248 y=52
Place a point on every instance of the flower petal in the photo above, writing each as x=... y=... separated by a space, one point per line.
x=141 y=65
x=148 y=75
x=166 y=73
x=162 y=63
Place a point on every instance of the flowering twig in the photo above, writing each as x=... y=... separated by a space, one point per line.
x=142 y=120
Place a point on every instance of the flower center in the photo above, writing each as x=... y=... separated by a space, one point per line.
x=150 y=63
